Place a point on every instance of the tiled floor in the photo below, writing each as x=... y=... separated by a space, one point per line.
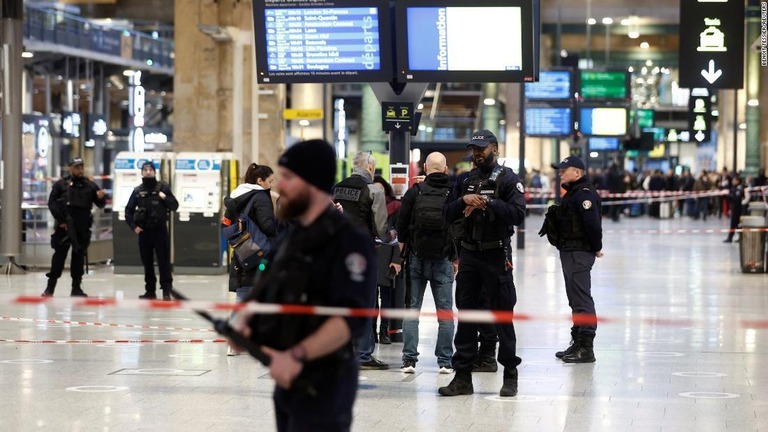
x=676 y=352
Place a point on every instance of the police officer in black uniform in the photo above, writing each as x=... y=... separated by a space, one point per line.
x=70 y=203
x=738 y=197
x=580 y=234
x=323 y=259
x=491 y=202
x=147 y=215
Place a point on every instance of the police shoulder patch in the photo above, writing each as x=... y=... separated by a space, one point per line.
x=520 y=187
x=356 y=265
x=587 y=204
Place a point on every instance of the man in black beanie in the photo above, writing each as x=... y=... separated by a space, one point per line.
x=322 y=260
x=147 y=215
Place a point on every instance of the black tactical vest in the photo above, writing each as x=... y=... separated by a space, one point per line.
x=355 y=197
x=79 y=193
x=485 y=226
x=569 y=225
x=150 y=211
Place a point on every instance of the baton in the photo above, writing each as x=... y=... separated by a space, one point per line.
x=223 y=328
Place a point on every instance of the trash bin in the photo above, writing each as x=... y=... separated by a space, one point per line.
x=752 y=245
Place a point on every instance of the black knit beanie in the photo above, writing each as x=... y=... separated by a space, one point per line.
x=314 y=161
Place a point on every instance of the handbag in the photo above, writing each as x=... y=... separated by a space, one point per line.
x=247 y=241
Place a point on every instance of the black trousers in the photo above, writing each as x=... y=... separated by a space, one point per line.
x=61 y=244
x=155 y=241
x=735 y=217
x=329 y=411
x=577 y=266
x=481 y=274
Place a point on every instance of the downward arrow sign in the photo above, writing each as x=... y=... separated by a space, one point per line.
x=711 y=75
x=397 y=125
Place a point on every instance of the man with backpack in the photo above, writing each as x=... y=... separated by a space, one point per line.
x=422 y=230
x=147 y=215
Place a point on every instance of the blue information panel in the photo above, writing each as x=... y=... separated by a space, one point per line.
x=548 y=121
x=551 y=85
x=604 y=143
x=346 y=41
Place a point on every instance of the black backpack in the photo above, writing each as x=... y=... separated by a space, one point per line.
x=430 y=236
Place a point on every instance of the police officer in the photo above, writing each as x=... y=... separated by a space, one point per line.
x=580 y=234
x=70 y=203
x=491 y=202
x=323 y=259
x=364 y=202
x=738 y=197
x=147 y=215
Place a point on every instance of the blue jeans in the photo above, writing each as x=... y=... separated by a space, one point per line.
x=439 y=273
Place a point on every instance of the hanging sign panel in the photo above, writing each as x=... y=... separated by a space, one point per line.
x=712 y=44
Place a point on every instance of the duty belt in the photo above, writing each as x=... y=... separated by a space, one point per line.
x=482 y=246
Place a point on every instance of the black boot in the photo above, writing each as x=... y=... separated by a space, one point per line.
x=77 y=289
x=570 y=348
x=460 y=385
x=148 y=295
x=384 y=336
x=486 y=359
x=584 y=352
x=509 y=388
x=49 y=288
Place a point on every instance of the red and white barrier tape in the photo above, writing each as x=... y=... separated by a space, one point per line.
x=111 y=341
x=475 y=316
x=671 y=231
x=98 y=324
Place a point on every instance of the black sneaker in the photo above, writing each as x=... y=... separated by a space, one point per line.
x=373 y=364
x=149 y=295
x=78 y=293
x=409 y=367
x=47 y=293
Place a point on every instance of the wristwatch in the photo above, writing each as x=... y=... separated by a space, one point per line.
x=299 y=353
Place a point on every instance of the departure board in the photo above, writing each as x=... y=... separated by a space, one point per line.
x=551 y=85
x=548 y=121
x=604 y=85
x=326 y=41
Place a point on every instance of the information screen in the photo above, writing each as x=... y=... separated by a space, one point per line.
x=548 y=121
x=551 y=85
x=604 y=85
x=604 y=143
x=603 y=121
x=465 y=40
x=335 y=41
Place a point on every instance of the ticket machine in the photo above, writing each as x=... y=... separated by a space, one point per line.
x=127 y=177
x=201 y=181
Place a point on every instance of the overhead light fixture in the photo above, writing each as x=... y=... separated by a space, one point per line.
x=489 y=101
x=27 y=54
x=129 y=72
x=304 y=123
x=645 y=45
x=633 y=34
x=649 y=62
x=624 y=22
x=594 y=154
x=633 y=28
x=591 y=21
x=607 y=20
x=630 y=69
x=753 y=102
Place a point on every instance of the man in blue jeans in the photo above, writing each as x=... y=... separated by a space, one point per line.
x=423 y=231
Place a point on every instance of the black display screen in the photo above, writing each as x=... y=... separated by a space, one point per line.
x=300 y=41
x=465 y=40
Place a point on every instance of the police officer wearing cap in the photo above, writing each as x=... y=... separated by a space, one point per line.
x=580 y=241
x=491 y=202
x=70 y=203
x=147 y=215
x=324 y=259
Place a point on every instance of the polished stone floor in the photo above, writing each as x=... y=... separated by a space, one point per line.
x=679 y=348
